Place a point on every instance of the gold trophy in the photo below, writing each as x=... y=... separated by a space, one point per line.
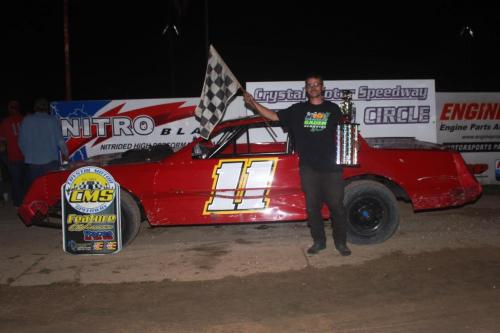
x=347 y=133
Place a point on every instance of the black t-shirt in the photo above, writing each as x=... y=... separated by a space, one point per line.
x=313 y=130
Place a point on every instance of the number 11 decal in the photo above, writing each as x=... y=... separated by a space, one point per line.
x=241 y=185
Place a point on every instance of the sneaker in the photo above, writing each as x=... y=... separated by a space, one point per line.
x=316 y=247
x=343 y=250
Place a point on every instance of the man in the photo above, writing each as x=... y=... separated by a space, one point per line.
x=40 y=140
x=312 y=126
x=9 y=132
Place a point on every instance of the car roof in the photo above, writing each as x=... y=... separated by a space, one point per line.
x=237 y=122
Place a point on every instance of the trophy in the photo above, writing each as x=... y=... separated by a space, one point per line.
x=347 y=133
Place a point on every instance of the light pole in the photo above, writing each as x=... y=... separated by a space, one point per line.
x=67 y=63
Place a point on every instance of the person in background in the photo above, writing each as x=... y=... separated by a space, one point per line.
x=4 y=191
x=9 y=133
x=41 y=141
x=312 y=126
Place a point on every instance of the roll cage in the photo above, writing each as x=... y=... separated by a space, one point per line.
x=237 y=141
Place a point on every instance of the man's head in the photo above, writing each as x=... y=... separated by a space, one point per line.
x=14 y=107
x=41 y=105
x=314 y=76
x=314 y=86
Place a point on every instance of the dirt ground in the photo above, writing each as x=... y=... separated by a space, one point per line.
x=439 y=273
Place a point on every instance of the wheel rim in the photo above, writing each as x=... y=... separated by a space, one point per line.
x=367 y=215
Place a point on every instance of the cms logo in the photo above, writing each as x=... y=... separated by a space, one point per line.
x=91 y=196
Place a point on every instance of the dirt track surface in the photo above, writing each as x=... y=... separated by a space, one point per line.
x=439 y=273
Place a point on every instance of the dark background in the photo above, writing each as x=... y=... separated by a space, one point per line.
x=121 y=49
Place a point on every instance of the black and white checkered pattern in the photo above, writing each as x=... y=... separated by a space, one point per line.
x=90 y=185
x=219 y=87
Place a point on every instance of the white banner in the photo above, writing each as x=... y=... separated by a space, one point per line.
x=470 y=123
x=384 y=108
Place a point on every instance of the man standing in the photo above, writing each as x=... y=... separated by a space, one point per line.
x=40 y=140
x=9 y=132
x=312 y=126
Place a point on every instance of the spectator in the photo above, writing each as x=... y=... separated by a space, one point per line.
x=4 y=193
x=41 y=140
x=9 y=133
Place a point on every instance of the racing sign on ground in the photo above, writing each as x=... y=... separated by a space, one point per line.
x=91 y=212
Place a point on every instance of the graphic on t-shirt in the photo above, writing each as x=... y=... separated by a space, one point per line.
x=316 y=121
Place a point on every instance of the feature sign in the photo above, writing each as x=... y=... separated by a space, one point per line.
x=91 y=212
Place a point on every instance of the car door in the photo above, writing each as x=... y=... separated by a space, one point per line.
x=243 y=178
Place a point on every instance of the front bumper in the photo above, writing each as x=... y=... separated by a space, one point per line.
x=36 y=212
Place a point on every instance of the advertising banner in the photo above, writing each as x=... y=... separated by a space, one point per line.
x=110 y=126
x=98 y=127
x=470 y=123
x=91 y=212
x=397 y=108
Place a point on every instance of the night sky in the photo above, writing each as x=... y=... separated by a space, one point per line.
x=123 y=49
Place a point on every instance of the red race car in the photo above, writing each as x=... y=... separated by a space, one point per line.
x=231 y=179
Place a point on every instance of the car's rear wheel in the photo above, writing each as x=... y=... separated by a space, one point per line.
x=131 y=218
x=372 y=212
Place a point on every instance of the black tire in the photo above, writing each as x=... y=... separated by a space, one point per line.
x=372 y=212
x=131 y=218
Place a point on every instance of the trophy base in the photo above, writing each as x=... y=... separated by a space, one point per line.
x=347 y=146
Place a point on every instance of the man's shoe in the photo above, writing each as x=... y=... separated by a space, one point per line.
x=343 y=250
x=316 y=247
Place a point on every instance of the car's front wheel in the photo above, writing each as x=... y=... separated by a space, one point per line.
x=372 y=212
x=131 y=218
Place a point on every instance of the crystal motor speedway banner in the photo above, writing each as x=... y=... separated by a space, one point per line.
x=91 y=212
x=100 y=127
x=397 y=108
x=470 y=123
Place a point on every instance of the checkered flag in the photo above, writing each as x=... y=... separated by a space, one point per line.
x=219 y=88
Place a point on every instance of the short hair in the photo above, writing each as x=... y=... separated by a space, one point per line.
x=314 y=76
x=41 y=105
x=14 y=104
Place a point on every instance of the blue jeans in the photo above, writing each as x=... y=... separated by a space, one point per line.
x=37 y=170
x=325 y=187
x=17 y=172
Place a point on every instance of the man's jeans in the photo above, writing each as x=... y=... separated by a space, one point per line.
x=17 y=172
x=319 y=188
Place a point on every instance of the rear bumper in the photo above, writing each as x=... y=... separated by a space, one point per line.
x=472 y=193
x=455 y=197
